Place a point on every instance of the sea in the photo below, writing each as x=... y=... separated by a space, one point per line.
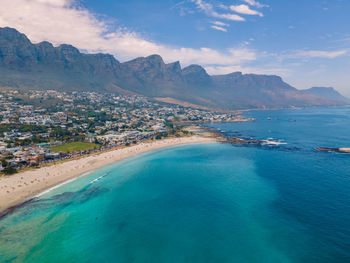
x=277 y=202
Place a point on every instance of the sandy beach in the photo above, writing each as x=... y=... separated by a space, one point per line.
x=20 y=187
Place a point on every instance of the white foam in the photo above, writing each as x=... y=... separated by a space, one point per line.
x=61 y=184
x=272 y=142
x=97 y=179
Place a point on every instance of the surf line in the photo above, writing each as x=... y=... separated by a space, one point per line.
x=97 y=179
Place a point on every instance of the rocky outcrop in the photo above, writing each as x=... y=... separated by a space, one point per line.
x=339 y=150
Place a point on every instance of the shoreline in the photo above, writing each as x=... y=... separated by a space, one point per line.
x=24 y=186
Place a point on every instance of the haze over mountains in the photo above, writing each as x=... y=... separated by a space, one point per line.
x=327 y=93
x=43 y=66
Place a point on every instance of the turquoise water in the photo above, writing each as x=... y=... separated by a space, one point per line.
x=203 y=203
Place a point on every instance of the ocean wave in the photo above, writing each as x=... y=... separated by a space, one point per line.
x=271 y=141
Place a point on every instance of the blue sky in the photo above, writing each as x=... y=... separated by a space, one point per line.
x=306 y=42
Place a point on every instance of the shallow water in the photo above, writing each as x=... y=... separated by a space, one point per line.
x=202 y=203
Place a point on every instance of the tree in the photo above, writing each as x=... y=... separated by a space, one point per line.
x=34 y=164
x=9 y=170
x=9 y=156
x=3 y=162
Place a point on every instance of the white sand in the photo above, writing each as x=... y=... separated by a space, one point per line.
x=20 y=187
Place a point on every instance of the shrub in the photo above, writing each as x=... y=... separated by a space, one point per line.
x=9 y=170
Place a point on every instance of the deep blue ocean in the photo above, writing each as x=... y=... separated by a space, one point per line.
x=203 y=203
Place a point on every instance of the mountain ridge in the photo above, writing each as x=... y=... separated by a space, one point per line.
x=327 y=93
x=27 y=65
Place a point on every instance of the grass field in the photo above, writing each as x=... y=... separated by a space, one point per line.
x=74 y=147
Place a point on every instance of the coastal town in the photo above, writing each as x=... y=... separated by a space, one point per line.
x=38 y=126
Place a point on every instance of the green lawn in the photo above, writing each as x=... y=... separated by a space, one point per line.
x=74 y=147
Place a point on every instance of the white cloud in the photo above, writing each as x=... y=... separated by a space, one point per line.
x=316 y=54
x=219 y=23
x=220 y=70
x=228 y=16
x=255 y=3
x=208 y=56
x=222 y=6
x=219 y=28
x=63 y=21
x=209 y=10
x=244 y=9
x=54 y=2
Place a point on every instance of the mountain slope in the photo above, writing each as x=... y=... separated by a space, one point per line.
x=23 y=64
x=327 y=93
x=43 y=66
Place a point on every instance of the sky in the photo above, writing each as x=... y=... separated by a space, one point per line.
x=307 y=42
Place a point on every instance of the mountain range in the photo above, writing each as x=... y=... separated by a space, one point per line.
x=326 y=93
x=42 y=66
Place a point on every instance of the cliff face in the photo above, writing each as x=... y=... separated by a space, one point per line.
x=23 y=64
x=17 y=52
x=43 y=66
x=150 y=76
